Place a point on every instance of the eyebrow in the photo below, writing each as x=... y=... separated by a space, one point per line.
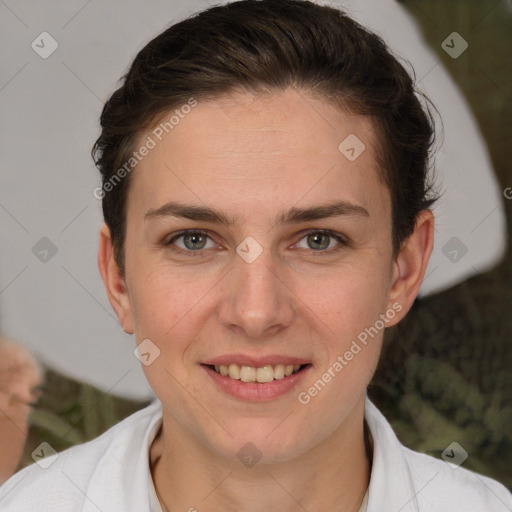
x=292 y=216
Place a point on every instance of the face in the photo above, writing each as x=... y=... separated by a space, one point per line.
x=283 y=257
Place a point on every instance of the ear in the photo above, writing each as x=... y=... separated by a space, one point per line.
x=114 y=281
x=410 y=265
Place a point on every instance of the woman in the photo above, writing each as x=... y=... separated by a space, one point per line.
x=267 y=215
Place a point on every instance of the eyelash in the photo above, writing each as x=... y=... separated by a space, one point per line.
x=337 y=236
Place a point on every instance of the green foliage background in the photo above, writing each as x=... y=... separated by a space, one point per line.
x=445 y=374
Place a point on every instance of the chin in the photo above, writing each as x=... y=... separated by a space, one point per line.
x=263 y=444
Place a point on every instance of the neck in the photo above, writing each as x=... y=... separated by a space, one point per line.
x=332 y=476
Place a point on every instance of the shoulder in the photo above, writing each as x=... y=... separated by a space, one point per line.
x=410 y=481
x=444 y=486
x=61 y=481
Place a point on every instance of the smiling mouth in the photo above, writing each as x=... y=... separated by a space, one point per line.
x=260 y=375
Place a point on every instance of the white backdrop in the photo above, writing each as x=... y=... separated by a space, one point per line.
x=60 y=61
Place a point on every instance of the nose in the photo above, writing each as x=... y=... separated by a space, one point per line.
x=257 y=300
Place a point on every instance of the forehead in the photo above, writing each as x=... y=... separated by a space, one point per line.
x=254 y=152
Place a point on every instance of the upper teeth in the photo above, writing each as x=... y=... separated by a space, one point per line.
x=251 y=374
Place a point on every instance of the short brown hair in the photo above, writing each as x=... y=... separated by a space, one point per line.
x=266 y=45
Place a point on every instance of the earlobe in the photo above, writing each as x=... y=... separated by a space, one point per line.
x=411 y=264
x=113 y=280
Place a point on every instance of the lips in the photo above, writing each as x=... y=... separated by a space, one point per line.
x=260 y=389
x=249 y=376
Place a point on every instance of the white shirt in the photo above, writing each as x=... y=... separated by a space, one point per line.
x=112 y=474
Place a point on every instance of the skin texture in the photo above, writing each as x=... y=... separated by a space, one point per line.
x=253 y=157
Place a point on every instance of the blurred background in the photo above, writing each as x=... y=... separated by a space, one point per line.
x=445 y=374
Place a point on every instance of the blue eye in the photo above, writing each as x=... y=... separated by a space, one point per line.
x=320 y=241
x=193 y=241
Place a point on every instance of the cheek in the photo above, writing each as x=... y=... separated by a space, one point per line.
x=348 y=299
x=170 y=308
x=161 y=298
x=164 y=312
x=346 y=309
